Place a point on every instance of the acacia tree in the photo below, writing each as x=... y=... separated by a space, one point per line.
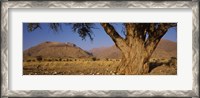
x=141 y=39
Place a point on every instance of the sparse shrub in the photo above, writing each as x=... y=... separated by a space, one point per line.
x=39 y=58
x=173 y=61
x=94 y=59
x=173 y=58
x=28 y=60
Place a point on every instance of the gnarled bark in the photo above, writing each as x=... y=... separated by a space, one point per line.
x=134 y=61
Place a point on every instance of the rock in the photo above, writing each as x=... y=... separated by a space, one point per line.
x=54 y=73
x=70 y=44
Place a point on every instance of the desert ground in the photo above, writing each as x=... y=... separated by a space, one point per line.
x=92 y=67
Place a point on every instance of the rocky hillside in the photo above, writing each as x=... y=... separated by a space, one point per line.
x=56 y=49
x=165 y=49
x=106 y=52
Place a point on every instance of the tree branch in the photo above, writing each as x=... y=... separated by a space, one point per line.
x=135 y=31
x=33 y=26
x=141 y=30
x=130 y=29
x=129 y=33
x=155 y=35
x=118 y=40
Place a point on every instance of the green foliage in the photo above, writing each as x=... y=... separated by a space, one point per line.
x=83 y=29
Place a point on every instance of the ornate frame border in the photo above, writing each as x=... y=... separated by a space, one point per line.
x=98 y=4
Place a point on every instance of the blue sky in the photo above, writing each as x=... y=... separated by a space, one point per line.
x=101 y=39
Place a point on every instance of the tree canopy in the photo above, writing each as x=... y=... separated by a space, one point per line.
x=85 y=29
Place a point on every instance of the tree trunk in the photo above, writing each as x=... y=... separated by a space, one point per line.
x=136 y=48
x=133 y=66
x=134 y=59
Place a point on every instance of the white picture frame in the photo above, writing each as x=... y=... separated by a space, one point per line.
x=5 y=22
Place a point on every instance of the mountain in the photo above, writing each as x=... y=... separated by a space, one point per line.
x=106 y=52
x=56 y=49
x=165 y=49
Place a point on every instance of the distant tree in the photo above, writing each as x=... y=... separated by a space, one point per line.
x=139 y=43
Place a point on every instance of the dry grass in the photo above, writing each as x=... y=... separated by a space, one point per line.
x=164 y=70
x=70 y=68
x=157 y=67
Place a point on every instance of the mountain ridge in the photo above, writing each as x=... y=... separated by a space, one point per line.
x=165 y=49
